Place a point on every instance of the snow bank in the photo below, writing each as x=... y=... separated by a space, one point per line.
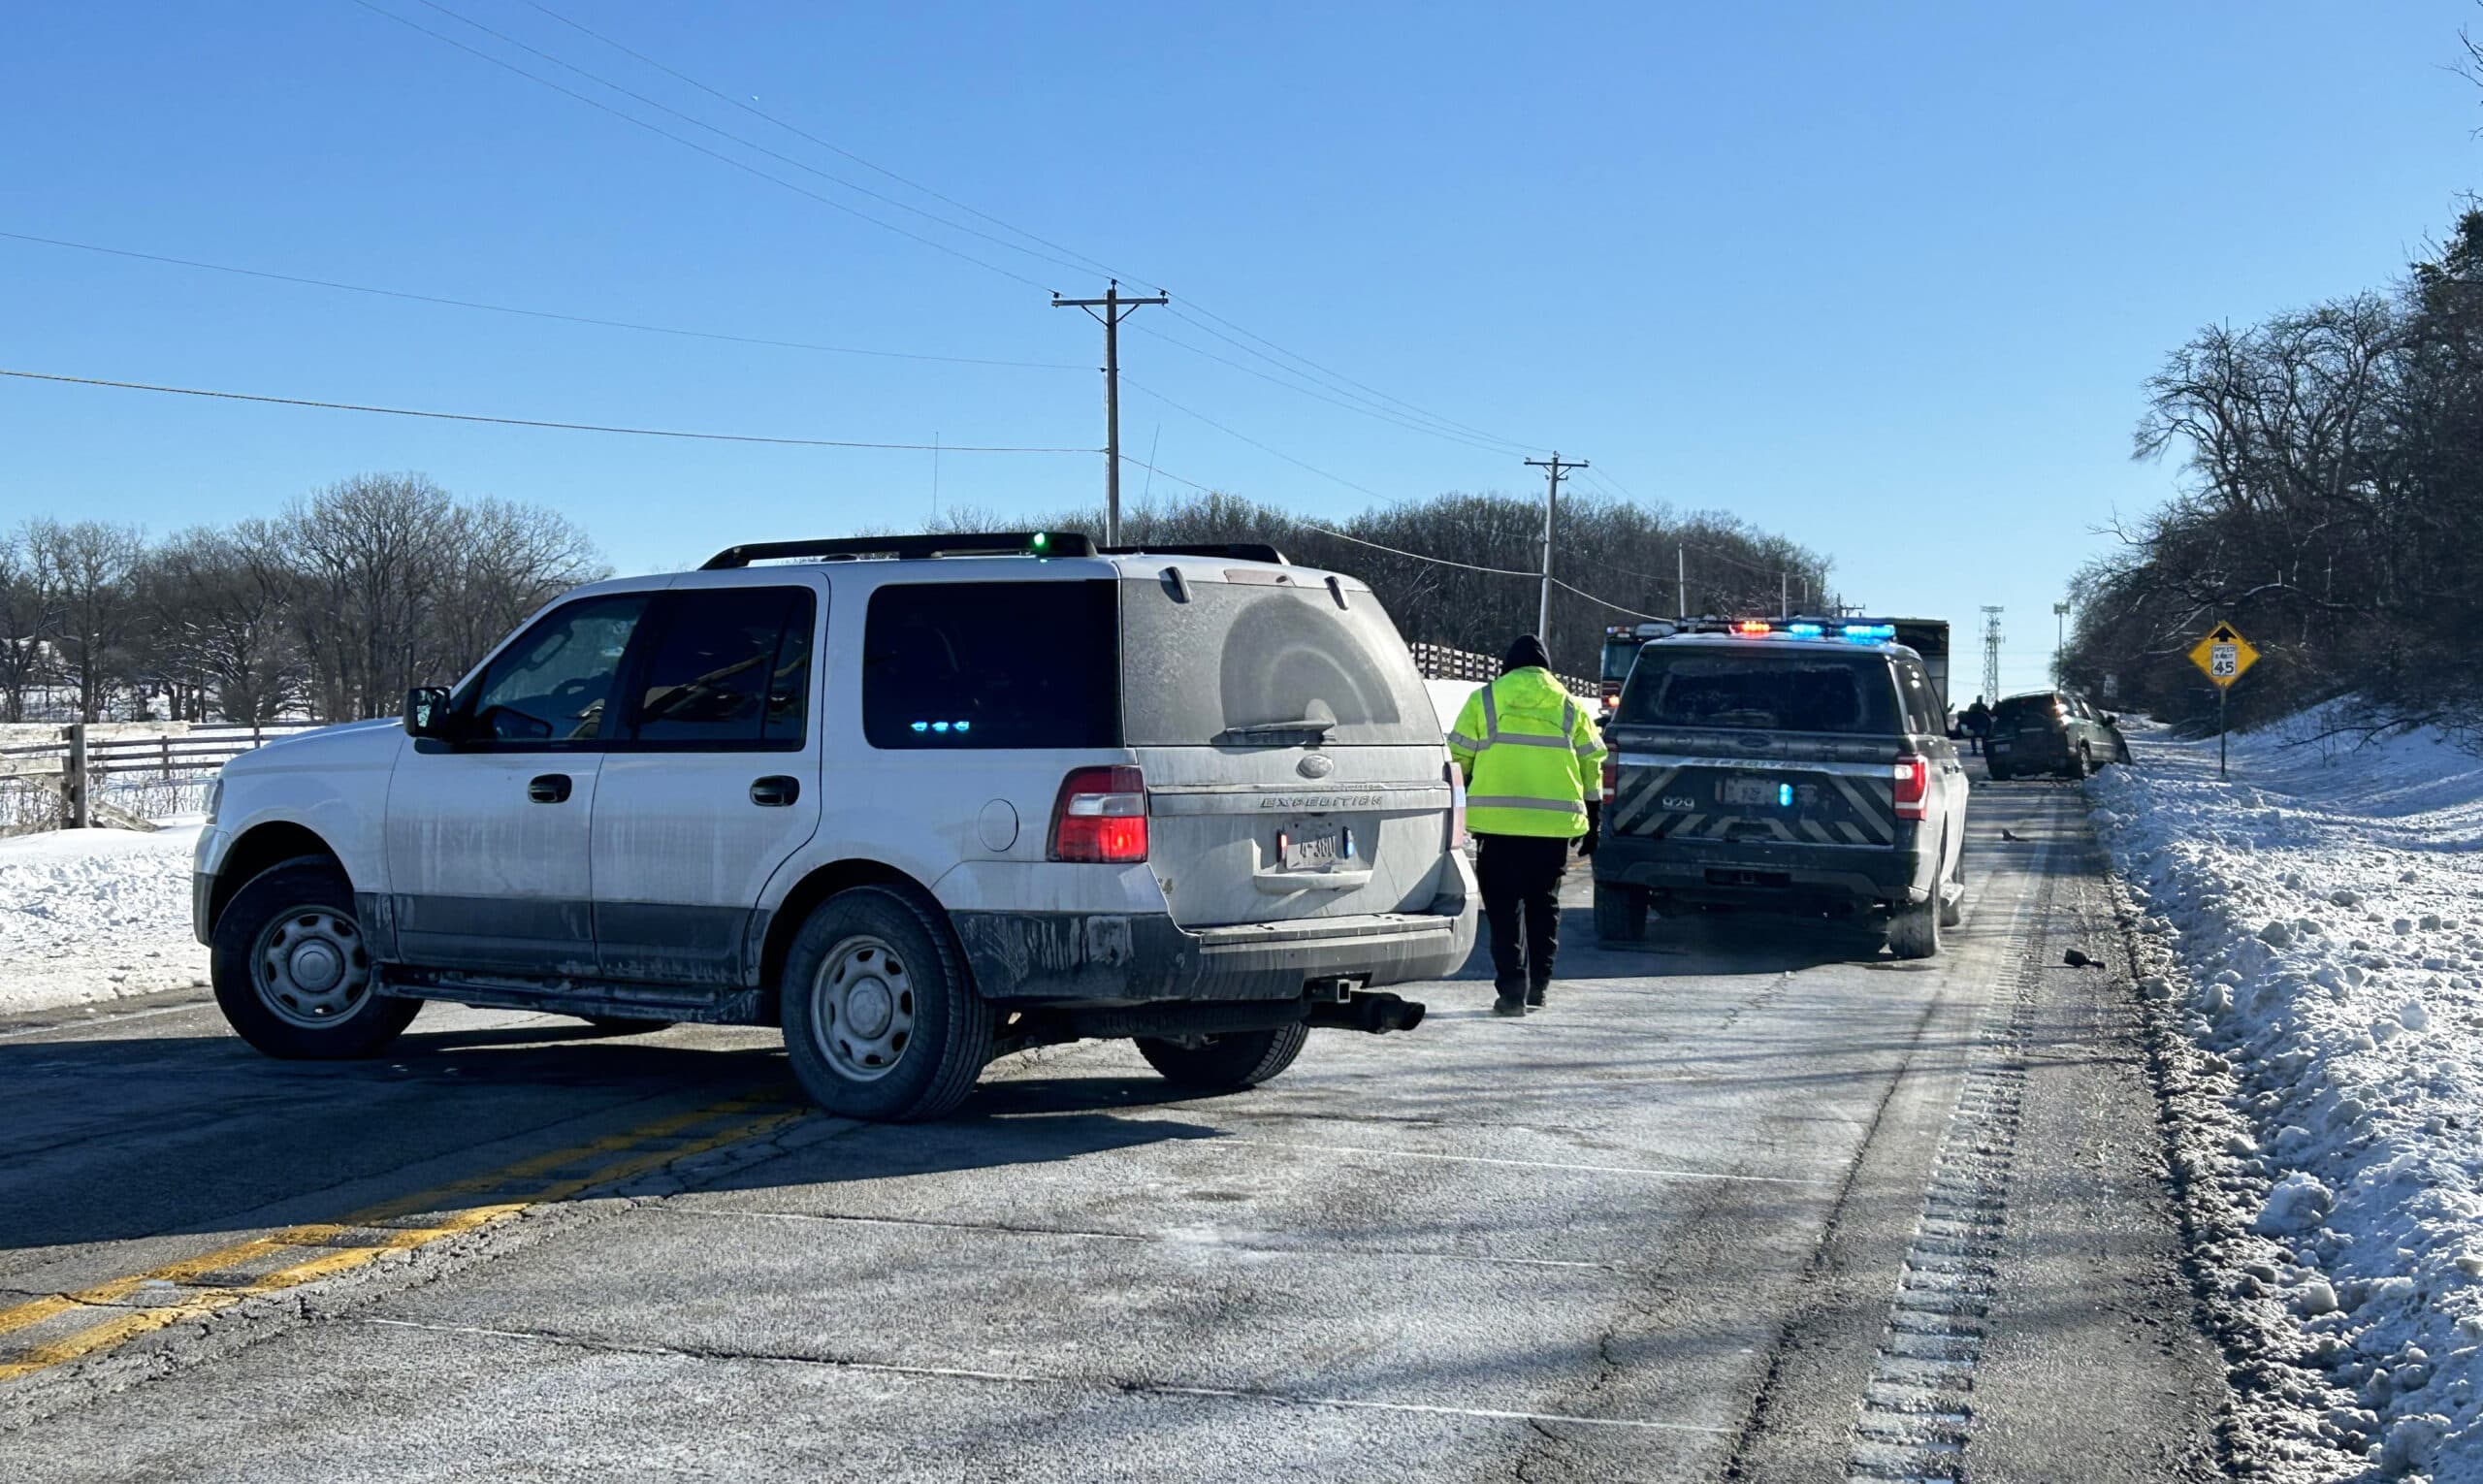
x=2316 y=917
x=95 y=914
x=1448 y=697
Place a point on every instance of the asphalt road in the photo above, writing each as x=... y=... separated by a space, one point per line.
x=1751 y=1202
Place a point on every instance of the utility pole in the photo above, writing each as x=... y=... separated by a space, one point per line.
x=1681 y=580
x=1784 y=595
x=1115 y=307
x=1555 y=470
x=2060 y=638
x=1990 y=653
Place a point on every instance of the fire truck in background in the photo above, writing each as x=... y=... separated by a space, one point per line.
x=1927 y=638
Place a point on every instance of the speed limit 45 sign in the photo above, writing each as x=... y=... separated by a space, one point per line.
x=2224 y=654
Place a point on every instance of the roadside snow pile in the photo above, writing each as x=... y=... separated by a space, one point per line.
x=1448 y=697
x=2316 y=920
x=95 y=914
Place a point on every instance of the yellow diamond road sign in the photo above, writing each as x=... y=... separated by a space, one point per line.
x=2223 y=654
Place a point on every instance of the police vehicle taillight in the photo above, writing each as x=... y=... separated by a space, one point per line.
x=1912 y=786
x=1100 y=816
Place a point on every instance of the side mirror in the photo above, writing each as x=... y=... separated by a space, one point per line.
x=427 y=712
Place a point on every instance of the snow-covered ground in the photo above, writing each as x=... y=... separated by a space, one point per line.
x=94 y=914
x=2310 y=932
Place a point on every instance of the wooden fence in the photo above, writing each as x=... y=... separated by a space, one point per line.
x=125 y=782
x=1438 y=662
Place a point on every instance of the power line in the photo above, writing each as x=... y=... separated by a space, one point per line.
x=1090 y=264
x=1058 y=252
x=713 y=154
x=528 y=422
x=1380 y=413
x=1419 y=421
x=748 y=144
x=1348 y=380
x=1394 y=551
x=551 y=314
x=1274 y=453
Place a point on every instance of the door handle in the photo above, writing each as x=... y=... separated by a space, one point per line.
x=548 y=789
x=775 y=790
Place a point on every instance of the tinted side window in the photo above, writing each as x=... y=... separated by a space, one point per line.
x=730 y=666
x=991 y=665
x=555 y=682
x=1922 y=711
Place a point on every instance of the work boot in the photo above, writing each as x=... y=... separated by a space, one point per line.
x=1534 y=994
x=1508 y=1005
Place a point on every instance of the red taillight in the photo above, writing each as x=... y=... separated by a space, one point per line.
x=1912 y=786
x=1751 y=626
x=1456 y=808
x=1611 y=777
x=1100 y=816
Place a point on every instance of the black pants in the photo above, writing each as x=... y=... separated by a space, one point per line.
x=1520 y=880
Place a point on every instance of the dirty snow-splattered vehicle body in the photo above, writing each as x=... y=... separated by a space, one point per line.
x=923 y=802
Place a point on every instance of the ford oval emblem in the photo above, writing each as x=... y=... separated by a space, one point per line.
x=1314 y=766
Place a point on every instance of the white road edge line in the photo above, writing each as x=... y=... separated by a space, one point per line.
x=1160 y=1238
x=1521 y=1163
x=1036 y=1378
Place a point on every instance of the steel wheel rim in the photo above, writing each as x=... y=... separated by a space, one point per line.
x=310 y=968
x=862 y=1007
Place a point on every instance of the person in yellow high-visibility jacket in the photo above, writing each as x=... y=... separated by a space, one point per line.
x=1534 y=766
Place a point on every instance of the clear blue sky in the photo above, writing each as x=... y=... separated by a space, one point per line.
x=1884 y=278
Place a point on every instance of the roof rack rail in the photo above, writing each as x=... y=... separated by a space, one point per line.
x=1232 y=550
x=1003 y=543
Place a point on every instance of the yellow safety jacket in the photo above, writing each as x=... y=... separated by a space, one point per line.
x=1531 y=755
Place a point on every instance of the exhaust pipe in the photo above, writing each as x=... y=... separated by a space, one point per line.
x=1375 y=1013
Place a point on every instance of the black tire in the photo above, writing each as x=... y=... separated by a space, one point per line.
x=628 y=1025
x=1998 y=773
x=897 y=941
x=309 y=901
x=1952 y=911
x=1620 y=914
x=1226 y=1063
x=1913 y=932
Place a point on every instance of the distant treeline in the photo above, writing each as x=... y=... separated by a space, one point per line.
x=1626 y=554
x=2334 y=511
x=384 y=581
x=331 y=609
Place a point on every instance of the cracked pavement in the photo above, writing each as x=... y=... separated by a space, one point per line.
x=1652 y=1233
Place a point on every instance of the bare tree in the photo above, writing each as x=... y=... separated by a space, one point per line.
x=27 y=615
x=87 y=566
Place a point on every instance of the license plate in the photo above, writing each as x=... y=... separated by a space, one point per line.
x=1313 y=850
x=1764 y=792
x=2000 y=744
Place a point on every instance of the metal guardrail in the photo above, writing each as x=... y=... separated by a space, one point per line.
x=1438 y=662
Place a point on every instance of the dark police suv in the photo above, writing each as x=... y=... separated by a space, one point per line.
x=1789 y=765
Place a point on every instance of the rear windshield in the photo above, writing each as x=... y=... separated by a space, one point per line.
x=1199 y=659
x=1758 y=690
x=950 y=666
x=2026 y=711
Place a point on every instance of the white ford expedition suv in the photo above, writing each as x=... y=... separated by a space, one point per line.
x=919 y=800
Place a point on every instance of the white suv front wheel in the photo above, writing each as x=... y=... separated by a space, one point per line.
x=292 y=973
x=882 y=1020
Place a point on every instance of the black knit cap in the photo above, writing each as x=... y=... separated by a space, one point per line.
x=1523 y=651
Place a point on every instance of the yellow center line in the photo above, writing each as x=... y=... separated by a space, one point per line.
x=127 y=1322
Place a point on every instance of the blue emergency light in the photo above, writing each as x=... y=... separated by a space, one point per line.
x=1869 y=631
x=1803 y=630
